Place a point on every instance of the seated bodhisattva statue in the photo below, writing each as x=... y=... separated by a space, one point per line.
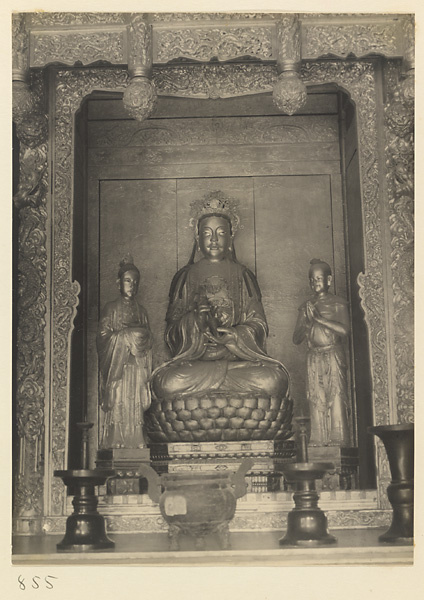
x=216 y=330
x=323 y=321
x=124 y=344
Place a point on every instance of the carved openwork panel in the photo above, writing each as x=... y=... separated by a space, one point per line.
x=179 y=17
x=357 y=39
x=51 y=19
x=206 y=43
x=77 y=47
x=31 y=199
x=399 y=119
x=214 y=81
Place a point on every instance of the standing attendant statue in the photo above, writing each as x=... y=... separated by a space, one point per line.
x=323 y=321
x=124 y=345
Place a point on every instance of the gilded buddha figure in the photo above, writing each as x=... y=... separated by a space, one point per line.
x=216 y=331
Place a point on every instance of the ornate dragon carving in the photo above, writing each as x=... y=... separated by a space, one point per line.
x=31 y=198
x=203 y=44
x=167 y=17
x=214 y=81
x=82 y=48
x=356 y=40
x=50 y=19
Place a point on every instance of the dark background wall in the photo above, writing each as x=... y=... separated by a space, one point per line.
x=296 y=179
x=284 y=171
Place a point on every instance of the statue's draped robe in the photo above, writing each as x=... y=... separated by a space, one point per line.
x=327 y=375
x=124 y=345
x=200 y=366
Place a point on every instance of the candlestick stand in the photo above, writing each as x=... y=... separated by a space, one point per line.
x=306 y=523
x=85 y=528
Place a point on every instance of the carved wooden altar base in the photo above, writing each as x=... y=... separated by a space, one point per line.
x=225 y=456
x=267 y=511
x=344 y=476
x=125 y=462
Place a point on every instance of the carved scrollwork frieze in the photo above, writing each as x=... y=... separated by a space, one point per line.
x=359 y=518
x=359 y=39
x=206 y=43
x=77 y=47
x=51 y=19
x=169 y=17
x=214 y=81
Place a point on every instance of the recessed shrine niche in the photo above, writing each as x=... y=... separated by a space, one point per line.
x=297 y=182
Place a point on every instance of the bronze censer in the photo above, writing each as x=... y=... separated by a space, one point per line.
x=197 y=503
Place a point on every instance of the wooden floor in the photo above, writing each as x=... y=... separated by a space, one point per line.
x=353 y=547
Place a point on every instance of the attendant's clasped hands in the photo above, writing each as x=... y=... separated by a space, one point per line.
x=313 y=314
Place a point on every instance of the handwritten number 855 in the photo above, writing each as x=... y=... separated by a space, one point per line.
x=35 y=585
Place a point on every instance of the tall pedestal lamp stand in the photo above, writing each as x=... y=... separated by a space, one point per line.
x=85 y=528
x=306 y=523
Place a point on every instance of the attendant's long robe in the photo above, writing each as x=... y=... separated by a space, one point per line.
x=327 y=390
x=124 y=343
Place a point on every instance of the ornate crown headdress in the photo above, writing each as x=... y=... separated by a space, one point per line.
x=216 y=203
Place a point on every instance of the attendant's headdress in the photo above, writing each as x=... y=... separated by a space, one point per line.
x=127 y=264
x=317 y=262
x=215 y=204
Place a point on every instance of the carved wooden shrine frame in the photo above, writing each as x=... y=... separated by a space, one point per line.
x=48 y=298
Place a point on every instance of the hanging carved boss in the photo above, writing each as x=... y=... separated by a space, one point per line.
x=289 y=94
x=140 y=96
